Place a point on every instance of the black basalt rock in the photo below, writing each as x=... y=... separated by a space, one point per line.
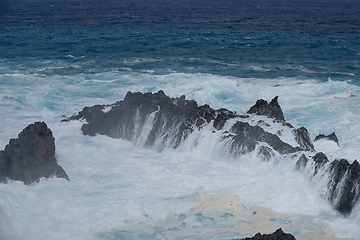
x=277 y=235
x=331 y=137
x=245 y=138
x=344 y=181
x=272 y=109
x=171 y=119
x=158 y=121
x=31 y=156
x=168 y=121
x=320 y=160
x=302 y=137
x=344 y=186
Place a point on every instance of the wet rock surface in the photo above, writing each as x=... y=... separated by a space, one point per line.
x=31 y=156
x=272 y=109
x=171 y=120
x=343 y=179
x=331 y=137
x=155 y=119
x=277 y=235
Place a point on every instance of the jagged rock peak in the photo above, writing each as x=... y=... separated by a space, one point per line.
x=331 y=137
x=302 y=137
x=31 y=156
x=320 y=160
x=272 y=109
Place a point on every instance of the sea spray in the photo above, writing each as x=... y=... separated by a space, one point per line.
x=113 y=182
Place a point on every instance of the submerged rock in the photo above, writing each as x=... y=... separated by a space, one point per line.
x=31 y=156
x=277 y=235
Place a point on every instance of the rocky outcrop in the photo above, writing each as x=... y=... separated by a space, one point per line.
x=158 y=121
x=331 y=137
x=271 y=110
x=154 y=119
x=277 y=235
x=246 y=137
x=302 y=137
x=343 y=180
x=31 y=156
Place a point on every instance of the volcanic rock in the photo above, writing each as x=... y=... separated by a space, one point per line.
x=272 y=109
x=320 y=160
x=245 y=138
x=302 y=137
x=158 y=120
x=277 y=235
x=344 y=186
x=331 y=137
x=31 y=156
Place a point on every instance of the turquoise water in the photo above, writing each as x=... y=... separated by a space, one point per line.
x=47 y=51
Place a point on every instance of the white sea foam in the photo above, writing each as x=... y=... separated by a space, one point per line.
x=196 y=191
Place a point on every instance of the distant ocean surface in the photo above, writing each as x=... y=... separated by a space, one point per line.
x=57 y=57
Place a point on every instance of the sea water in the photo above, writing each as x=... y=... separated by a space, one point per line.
x=58 y=57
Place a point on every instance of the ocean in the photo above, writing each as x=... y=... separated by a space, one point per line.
x=57 y=57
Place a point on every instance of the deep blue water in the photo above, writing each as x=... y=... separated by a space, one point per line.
x=320 y=16
x=261 y=39
x=230 y=52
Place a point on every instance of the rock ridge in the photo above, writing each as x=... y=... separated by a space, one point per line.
x=158 y=121
x=171 y=120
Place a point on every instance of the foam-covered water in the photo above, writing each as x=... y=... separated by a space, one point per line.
x=122 y=191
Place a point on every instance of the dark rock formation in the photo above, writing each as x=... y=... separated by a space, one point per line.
x=156 y=119
x=320 y=160
x=302 y=137
x=169 y=119
x=272 y=109
x=31 y=156
x=343 y=183
x=245 y=138
x=331 y=137
x=277 y=235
